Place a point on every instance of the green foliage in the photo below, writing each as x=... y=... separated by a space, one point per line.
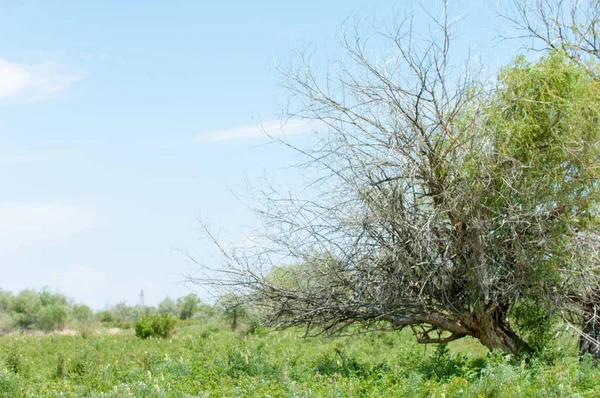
x=545 y=115
x=82 y=364
x=14 y=361
x=536 y=325
x=82 y=313
x=188 y=306
x=52 y=317
x=25 y=307
x=9 y=386
x=278 y=365
x=442 y=365
x=7 y=323
x=41 y=310
x=5 y=301
x=60 y=369
x=168 y=306
x=154 y=326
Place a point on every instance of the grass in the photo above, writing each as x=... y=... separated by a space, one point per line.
x=209 y=360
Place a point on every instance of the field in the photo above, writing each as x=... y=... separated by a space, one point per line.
x=206 y=359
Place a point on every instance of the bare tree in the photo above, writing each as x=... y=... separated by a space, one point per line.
x=572 y=26
x=428 y=215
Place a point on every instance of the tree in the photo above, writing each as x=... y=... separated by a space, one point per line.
x=442 y=204
x=188 y=306
x=82 y=313
x=167 y=306
x=26 y=307
x=52 y=317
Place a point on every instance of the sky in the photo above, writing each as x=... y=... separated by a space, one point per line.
x=123 y=123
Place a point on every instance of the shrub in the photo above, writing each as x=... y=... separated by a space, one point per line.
x=154 y=326
x=82 y=313
x=7 y=323
x=9 y=386
x=14 y=361
x=52 y=317
x=60 y=368
x=25 y=307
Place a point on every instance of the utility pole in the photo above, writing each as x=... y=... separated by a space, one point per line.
x=142 y=299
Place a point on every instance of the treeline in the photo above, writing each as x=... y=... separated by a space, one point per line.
x=47 y=311
x=184 y=308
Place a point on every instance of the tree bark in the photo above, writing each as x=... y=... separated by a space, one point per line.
x=589 y=338
x=490 y=327
x=493 y=331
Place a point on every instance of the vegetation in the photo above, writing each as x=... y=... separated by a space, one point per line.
x=205 y=358
x=31 y=310
x=36 y=310
x=158 y=325
x=441 y=203
x=460 y=212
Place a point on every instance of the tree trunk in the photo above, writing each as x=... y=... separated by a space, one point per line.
x=589 y=340
x=493 y=331
x=489 y=325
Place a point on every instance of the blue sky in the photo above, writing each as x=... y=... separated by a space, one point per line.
x=121 y=122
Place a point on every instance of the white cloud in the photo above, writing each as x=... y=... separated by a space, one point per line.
x=34 y=82
x=273 y=128
x=38 y=224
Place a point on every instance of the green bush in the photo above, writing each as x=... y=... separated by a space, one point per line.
x=52 y=317
x=6 y=323
x=9 y=386
x=14 y=361
x=154 y=326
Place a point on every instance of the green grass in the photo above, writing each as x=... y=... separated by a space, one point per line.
x=209 y=360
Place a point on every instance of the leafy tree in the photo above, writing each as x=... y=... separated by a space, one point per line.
x=571 y=27
x=82 y=313
x=5 y=300
x=25 y=307
x=49 y=298
x=168 y=306
x=188 y=306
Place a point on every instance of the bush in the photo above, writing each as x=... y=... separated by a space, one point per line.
x=7 y=323
x=25 y=307
x=52 y=317
x=14 y=361
x=154 y=326
x=82 y=313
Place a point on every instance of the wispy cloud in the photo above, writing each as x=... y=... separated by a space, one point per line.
x=273 y=128
x=30 y=225
x=20 y=82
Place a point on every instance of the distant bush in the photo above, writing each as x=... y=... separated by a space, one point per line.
x=6 y=323
x=107 y=317
x=25 y=308
x=154 y=326
x=82 y=313
x=52 y=317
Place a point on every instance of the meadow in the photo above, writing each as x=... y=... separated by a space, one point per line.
x=207 y=359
